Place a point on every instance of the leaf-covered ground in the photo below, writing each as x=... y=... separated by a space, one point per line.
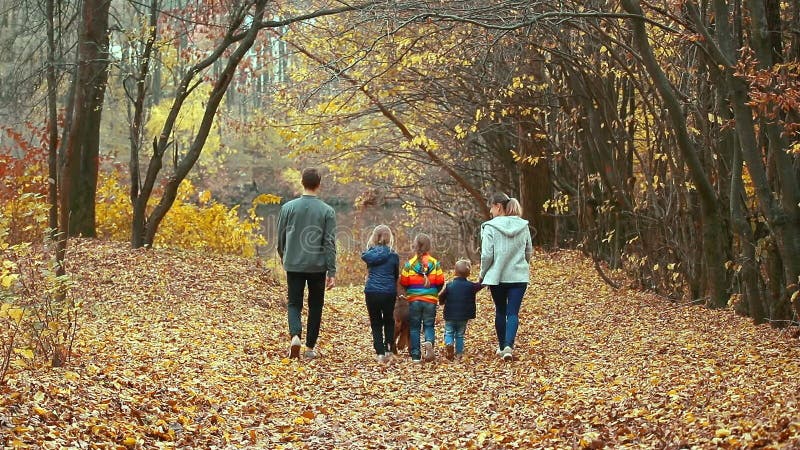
x=186 y=350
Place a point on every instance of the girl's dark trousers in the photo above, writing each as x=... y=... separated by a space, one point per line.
x=381 y=319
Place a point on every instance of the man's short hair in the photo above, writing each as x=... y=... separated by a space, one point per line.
x=311 y=178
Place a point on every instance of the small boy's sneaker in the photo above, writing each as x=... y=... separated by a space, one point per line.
x=427 y=351
x=294 y=349
x=450 y=352
x=508 y=354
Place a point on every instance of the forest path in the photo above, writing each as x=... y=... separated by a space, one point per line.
x=184 y=350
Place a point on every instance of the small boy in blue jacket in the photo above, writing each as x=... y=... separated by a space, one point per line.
x=458 y=298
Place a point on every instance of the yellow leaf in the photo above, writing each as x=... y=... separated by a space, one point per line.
x=266 y=199
x=129 y=442
x=205 y=196
x=8 y=280
x=72 y=376
x=15 y=314
x=722 y=432
x=24 y=352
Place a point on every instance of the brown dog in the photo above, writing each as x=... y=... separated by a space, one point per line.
x=402 y=330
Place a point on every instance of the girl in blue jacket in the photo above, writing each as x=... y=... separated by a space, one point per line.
x=380 y=290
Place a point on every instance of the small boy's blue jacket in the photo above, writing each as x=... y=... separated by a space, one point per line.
x=458 y=297
x=384 y=269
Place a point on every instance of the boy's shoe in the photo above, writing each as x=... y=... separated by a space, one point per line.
x=508 y=354
x=380 y=358
x=310 y=353
x=449 y=352
x=294 y=348
x=427 y=351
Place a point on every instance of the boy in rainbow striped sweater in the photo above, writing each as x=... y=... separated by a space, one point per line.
x=421 y=279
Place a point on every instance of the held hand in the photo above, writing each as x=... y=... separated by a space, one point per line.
x=330 y=282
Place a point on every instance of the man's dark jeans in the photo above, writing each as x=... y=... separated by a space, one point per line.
x=296 y=282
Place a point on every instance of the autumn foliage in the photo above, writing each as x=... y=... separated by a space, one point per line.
x=188 y=351
x=39 y=315
x=196 y=221
x=23 y=186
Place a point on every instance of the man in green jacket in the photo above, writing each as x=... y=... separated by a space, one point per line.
x=307 y=247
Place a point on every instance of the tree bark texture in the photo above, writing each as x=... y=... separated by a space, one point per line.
x=79 y=164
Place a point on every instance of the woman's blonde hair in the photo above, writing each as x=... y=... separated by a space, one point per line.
x=513 y=208
x=422 y=244
x=510 y=205
x=381 y=235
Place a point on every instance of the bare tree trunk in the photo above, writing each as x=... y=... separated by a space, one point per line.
x=144 y=228
x=150 y=226
x=535 y=186
x=81 y=148
x=749 y=272
x=765 y=37
x=782 y=218
x=52 y=122
x=712 y=222
x=138 y=119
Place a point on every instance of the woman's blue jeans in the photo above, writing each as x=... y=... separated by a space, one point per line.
x=507 y=301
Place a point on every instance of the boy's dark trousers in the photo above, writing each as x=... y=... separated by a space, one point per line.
x=381 y=319
x=296 y=283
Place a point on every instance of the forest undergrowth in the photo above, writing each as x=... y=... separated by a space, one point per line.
x=180 y=349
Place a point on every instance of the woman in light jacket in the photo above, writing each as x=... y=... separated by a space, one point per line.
x=506 y=249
